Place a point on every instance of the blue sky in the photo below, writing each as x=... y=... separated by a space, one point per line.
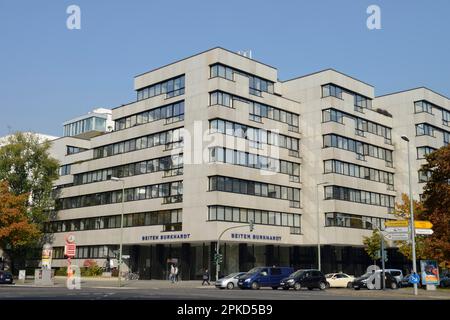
x=49 y=74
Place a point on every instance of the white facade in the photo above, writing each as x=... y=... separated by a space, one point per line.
x=322 y=134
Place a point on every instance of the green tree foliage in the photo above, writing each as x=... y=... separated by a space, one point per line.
x=25 y=164
x=372 y=245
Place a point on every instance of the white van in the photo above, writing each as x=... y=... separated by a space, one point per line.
x=396 y=273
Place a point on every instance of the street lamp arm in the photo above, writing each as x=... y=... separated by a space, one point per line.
x=234 y=227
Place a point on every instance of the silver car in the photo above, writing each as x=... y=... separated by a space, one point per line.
x=230 y=281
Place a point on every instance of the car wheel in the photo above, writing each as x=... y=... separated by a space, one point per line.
x=297 y=286
x=322 y=286
x=394 y=285
x=230 y=285
x=349 y=285
x=255 y=286
x=328 y=285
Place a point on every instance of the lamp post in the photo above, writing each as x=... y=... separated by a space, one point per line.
x=251 y=225
x=319 y=264
x=116 y=179
x=411 y=213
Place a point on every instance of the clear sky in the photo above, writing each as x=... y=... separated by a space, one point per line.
x=49 y=74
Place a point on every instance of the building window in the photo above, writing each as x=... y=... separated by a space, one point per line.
x=331 y=90
x=222 y=71
x=446 y=118
x=254 y=188
x=221 y=98
x=172 y=87
x=423 y=106
x=424 y=176
x=422 y=152
x=64 y=170
x=344 y=220
x=424 y=129
x=244 y=215
x=360 y=196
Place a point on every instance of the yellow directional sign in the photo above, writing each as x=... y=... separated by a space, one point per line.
x=423 y=224
x=396 y=223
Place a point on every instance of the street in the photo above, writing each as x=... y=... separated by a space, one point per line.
x=101 y=289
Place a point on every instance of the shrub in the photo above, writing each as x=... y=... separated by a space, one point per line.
x=91 y=269
x=61 y=271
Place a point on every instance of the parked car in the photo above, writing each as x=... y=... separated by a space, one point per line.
x=339 y=280
x=305 y=278
x=361 y=282
x=264 y=277
x=6 y=277
x=445 y=281
x=230 y=281
x=398 y=274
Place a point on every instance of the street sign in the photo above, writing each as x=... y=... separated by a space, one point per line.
x=423 y=224
x=396 y=223
x=396 y=229
x=424 y=231
x=125 y=256
x=397 y=236
x=70 y=250
x=415 y=278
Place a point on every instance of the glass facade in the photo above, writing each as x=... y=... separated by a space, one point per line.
x=254 y=188
x=171 y=88
x=345 y=220
x=85 y=125
x=359 y=196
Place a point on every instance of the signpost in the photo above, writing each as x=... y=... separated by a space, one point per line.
x=70 y=250
x=427 y=232
x=423 y=225
x=396 y=223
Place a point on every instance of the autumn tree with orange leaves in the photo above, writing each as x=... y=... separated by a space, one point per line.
x=437 y=205
x=16 y=230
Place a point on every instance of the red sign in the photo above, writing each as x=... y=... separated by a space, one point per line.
x=70 y=249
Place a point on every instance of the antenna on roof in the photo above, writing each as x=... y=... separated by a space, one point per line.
x=246 y=53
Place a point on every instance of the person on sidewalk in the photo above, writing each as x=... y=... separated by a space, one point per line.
x=206 y=277
x=172 y=273
x=175 y=274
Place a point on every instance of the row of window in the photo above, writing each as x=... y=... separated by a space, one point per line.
x=169 y=189
x=338 y=219
x=243 y=215
x=360 y=196
x=254 y=188
x=152 y=140
x=333 y=90
x=424 y=176
x=84 y=125
x=257 y=110
x=425 y=106
x=256 y=84
x=260 y=136
x=424 y=129
x=422 y=152
x=110 y=222
x=360 y=148
x=172 y=87
x=354 y=170
x=172 y=113
x=241 y=158
x=89 y=252
x=74 y=150
x=131 y=169
x=361 y=125
x=64 y=170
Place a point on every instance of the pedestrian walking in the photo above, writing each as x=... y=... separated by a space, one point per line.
x=172 y=273
x=206 y=277
x=175 y=274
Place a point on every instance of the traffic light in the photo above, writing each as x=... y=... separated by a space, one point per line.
x=252 y=226
x=218 y=258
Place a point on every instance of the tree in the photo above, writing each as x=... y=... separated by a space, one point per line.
x=26 y=165
x=16 y=230
x=373 y=245
x=28 y=169
x=402 y=211
x=437 y=205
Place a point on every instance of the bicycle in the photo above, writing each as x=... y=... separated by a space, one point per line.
x=130 y=276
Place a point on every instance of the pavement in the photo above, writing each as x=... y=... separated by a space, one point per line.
x=107 y=289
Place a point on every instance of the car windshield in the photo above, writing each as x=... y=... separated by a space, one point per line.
x=296 y=273
x=329 y=275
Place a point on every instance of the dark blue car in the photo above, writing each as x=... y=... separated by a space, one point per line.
x=6 y=277
x=264 y=277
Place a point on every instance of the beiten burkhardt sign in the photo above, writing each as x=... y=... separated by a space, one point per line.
x=243 y=236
